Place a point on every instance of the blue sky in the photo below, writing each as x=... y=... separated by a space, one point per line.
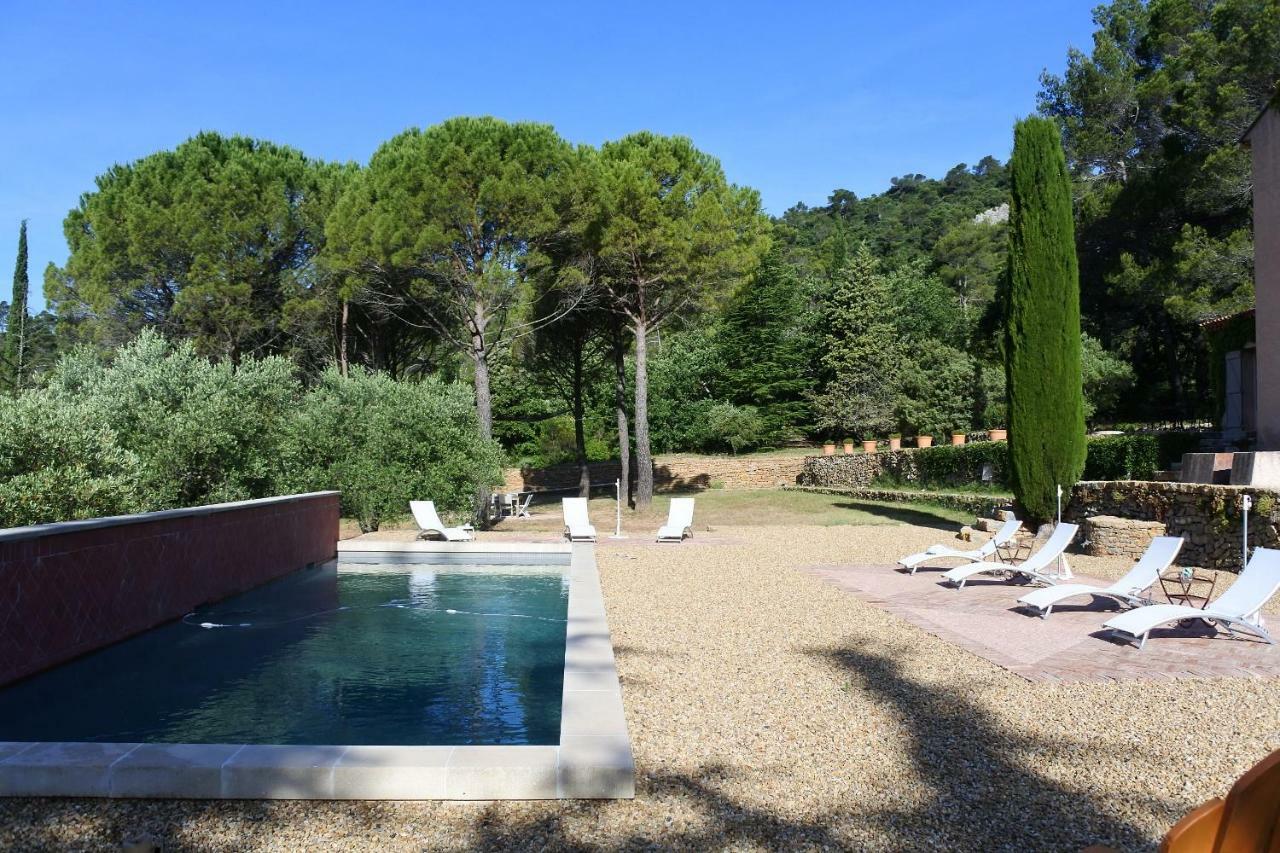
x=794 y=101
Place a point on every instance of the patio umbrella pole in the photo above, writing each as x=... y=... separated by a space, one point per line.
x=1244 y=548
x=617 y=500
x=1064 y=570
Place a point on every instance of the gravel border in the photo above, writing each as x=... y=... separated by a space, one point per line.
x=770 y=710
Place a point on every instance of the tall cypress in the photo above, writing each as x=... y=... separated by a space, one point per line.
x=1042 y=323
x=15 y=339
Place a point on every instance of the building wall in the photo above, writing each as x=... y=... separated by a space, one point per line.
x=1264 y=140
x=70 y=588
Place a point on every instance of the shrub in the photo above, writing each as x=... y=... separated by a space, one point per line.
x=202 y=432
x=736 y=428
x=1136 y=457
x=855 y=404
x=937 y=394
x=60 y=462
x=950 y=466
x=384 y=443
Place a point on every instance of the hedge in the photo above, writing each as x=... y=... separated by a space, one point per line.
x=1116 y=457
x=955 y=465
x=1136 y=457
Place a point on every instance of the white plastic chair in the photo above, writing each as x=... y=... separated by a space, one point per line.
x=1004 y=536
x=679 y=521
x=1239 y=608
x=1032 y=569
x=1159 y=556
x=577 y=523
x=424 y=512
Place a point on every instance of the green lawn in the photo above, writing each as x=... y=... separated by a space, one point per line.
x=760 y=507
x=728 y=508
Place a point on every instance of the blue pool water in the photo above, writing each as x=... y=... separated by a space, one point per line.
x=398 y=655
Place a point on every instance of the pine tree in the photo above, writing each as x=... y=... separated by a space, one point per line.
x=860 y=336
x=1042 y=323
x=765 y=354
x=14 y=353
x=861 y=354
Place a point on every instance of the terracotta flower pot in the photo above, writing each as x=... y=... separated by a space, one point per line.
x=869 y=446
x=924 y=441
x=957 y=438
x=848 y=448
x=829 y=449
x=895 y=444
x=999 y=435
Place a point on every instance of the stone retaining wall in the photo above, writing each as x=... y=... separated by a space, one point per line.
x=860 y=470
x=1207 y=516
x=670 y=473
x=74 y=587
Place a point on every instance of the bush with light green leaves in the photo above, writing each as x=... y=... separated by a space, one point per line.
x=384 y=443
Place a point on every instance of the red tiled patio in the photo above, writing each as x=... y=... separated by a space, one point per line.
x=1070 y=645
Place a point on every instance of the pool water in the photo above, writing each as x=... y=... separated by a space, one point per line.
x=395 y=655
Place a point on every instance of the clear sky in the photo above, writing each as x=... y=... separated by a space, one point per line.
x=796 y=99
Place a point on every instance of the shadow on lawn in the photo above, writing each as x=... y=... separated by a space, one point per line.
x=918 y=515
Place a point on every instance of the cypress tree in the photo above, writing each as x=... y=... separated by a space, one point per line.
x=1042 y=323
x=15 y=337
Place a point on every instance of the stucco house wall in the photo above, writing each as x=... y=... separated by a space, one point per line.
x=1263 y=140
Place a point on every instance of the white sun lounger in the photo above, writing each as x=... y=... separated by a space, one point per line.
x=679 y=521
x=1237 y=608
x=1002 y=537
x=1128 y=590
x=1032 y=569
x=577 y=525
x=424 y=512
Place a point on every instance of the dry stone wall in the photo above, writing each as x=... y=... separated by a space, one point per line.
x=672 y=472
x=1208 y=517
x=859 y=470
x=1112 y=536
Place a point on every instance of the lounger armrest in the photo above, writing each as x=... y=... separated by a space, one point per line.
x=1197 y=831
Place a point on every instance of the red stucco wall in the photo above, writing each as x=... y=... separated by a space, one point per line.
x=67 y=589
x=1264 y=139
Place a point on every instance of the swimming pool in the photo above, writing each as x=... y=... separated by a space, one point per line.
x=405 y=671
x=353 y=654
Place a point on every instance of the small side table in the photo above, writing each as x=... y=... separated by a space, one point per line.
x=1014 y=552
x=1191 y=587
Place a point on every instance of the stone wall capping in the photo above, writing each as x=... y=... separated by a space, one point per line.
x=36 y=531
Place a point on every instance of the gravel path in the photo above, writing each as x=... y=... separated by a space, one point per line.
x=770 y=710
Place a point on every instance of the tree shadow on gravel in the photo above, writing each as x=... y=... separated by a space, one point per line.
x=983 y=795
x=726 y=823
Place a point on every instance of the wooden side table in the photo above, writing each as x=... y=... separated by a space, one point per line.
x=1189 y=586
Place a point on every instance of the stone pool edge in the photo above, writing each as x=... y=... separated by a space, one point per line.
x=592 y=761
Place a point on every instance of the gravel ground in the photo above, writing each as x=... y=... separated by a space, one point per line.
x=771 y=711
